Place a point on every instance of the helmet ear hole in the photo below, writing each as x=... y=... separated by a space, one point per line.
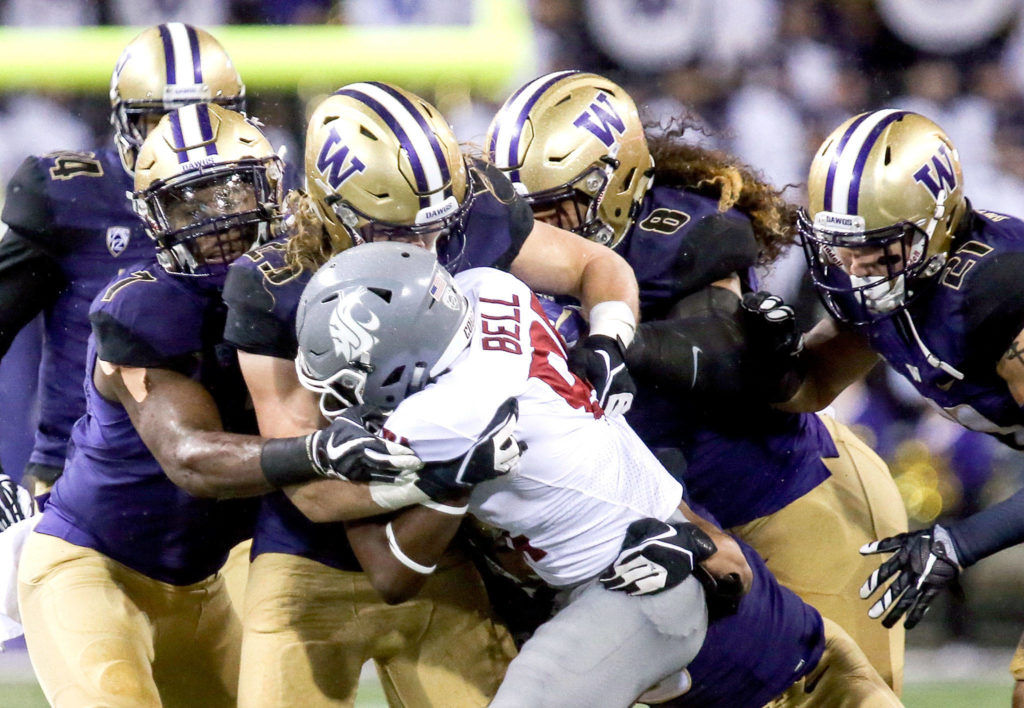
x=394 y=377
x=382 y=293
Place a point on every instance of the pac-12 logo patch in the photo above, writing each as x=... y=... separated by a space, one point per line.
x=117 y=239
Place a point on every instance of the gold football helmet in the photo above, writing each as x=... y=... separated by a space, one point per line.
x=165 y=67
x=575 y=140
x=382 y=164
x=886 y=195
x=208 y=187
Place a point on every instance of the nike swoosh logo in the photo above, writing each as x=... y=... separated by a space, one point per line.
x=812 y=683
x=336 y=452
x=696 y=353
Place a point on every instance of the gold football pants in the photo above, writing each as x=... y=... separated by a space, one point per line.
x=844 y=678
x=310 y=628
x=102 y=634
x=811 y=545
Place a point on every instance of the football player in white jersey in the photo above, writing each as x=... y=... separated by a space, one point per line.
x=384 y=325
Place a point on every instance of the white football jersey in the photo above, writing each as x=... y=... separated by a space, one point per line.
x=583 y=478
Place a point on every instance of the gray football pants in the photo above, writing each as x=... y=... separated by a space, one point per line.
x=605 y=648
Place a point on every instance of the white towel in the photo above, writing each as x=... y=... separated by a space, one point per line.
x=12 y=540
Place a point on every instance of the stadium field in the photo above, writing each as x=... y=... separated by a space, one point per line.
x=991 y=687
x=948 y=694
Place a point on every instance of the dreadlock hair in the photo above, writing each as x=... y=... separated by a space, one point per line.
x=717 y=174
x=309 y=245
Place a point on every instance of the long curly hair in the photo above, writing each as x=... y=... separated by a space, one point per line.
x=717 y=174
x=309 y=243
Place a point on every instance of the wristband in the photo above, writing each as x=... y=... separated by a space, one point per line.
x=446 y=508
x=397 y=495
x=402 y=558
x=285 y=461
x=613 y=318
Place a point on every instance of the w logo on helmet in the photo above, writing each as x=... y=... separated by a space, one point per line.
x=334 y=161
x=352 y=325
x=938 y=174
x=601 y=119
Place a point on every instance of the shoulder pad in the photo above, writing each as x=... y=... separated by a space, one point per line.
x=714 y=248
x=490 y=177
x=497 y=226
x=262 y=303
x=144 y=318
x=993 y=294
x=27 y=207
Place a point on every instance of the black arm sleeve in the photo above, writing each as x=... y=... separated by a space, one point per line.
x=989 y=531
x=995 y=308
x=30 y=280
x=716 y=246
x=697 y=351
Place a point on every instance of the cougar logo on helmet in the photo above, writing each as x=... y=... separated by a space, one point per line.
x=351 y=326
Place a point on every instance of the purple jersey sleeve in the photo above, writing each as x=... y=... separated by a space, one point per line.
x=497 y=225
x=134 y=326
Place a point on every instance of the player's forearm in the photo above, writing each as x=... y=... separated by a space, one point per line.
x=608 y=277
x=399 y=554
x=832 y=360
x=996 y=528
x=216 y=464
x=728 y=565
x=329 y=500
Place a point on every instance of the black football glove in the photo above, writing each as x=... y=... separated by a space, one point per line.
x=774 y=344
x=346 y=449
x=600 y=360
x=496 y=452
x=656 y=556
x=15 y=502
x=924 y=562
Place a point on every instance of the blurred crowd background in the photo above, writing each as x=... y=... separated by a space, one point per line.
x=768 y=80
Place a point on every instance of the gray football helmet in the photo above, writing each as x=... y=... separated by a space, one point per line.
x=376 y=323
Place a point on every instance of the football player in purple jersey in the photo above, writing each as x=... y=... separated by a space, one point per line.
x=119 y=588
x=913 y=274
x=692 y=223
x=70 y=227
x=383 y=164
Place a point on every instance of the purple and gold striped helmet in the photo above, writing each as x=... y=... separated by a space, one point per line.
x=382 y=164
x=886 y=195
x=574 y=139
x=208 y=187
x=166 y=67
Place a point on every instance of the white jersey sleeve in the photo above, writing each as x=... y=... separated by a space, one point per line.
x=583 y=478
